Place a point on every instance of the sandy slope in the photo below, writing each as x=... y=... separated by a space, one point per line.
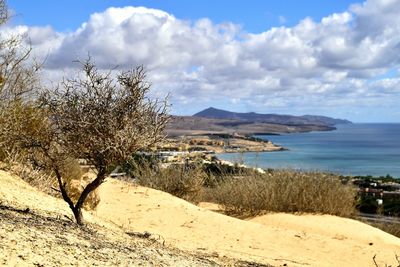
x=276 y=239
x=43 y=236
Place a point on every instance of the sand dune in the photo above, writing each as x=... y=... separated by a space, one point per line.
x=276 y=239
x=43 y=236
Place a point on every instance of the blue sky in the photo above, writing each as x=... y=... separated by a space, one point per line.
x=335 y=58
x=253 y=15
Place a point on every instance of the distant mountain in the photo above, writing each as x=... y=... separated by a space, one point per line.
x=215 y=113
x=190 y=125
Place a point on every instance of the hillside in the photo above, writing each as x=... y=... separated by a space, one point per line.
x=182 y=234
x=214 y=120
x=191 y=125
x=35 y=230
x=276 y=239
x=270 y=118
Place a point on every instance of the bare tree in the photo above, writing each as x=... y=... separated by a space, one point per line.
x=104 y=120
x=19 y=76
x=19 y=72
x=98 y=116
x=3 y=12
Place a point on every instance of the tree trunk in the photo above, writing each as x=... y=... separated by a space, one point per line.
x=78 y=215
x=77 y=208
x=85 y=193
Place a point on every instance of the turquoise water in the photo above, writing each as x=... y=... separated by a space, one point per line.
x=352 y=149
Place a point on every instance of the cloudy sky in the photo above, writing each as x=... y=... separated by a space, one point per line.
x=335 y=58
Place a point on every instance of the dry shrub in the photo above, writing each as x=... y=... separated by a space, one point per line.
x=285 y=191
x=71 y=170
x=179 y=180
x=19 y=121
x=39 y=179
x=75 y=188
x=102 y=117
x=76 y=180
x=19 y=164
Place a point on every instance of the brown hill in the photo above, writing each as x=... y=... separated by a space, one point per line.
x=270 y=118
x=189 y=125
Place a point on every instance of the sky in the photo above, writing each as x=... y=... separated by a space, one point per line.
x=336 y=58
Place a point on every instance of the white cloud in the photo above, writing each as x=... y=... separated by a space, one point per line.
x=331 y=62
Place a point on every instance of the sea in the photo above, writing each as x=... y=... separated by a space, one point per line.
x=353 y=149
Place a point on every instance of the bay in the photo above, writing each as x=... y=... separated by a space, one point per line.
x=352 y=149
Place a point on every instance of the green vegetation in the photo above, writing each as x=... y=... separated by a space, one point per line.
x=369 y=204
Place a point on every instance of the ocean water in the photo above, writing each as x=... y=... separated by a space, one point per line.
x=352 y=149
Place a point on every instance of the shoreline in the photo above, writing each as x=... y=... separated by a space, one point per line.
x=278 y=149
x=387 y=177
x=359 y=149
x=220 y=143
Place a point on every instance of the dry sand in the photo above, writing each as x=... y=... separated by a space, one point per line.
x=43 y=236
x=277 y=239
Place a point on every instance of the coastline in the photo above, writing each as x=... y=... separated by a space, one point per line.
x=358 y=149
x=220 y=143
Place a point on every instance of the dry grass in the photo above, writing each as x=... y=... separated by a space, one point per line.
x=285 y=191
x=182 y=181
x=391 y=228
x=39 y=179
x=248 y=193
